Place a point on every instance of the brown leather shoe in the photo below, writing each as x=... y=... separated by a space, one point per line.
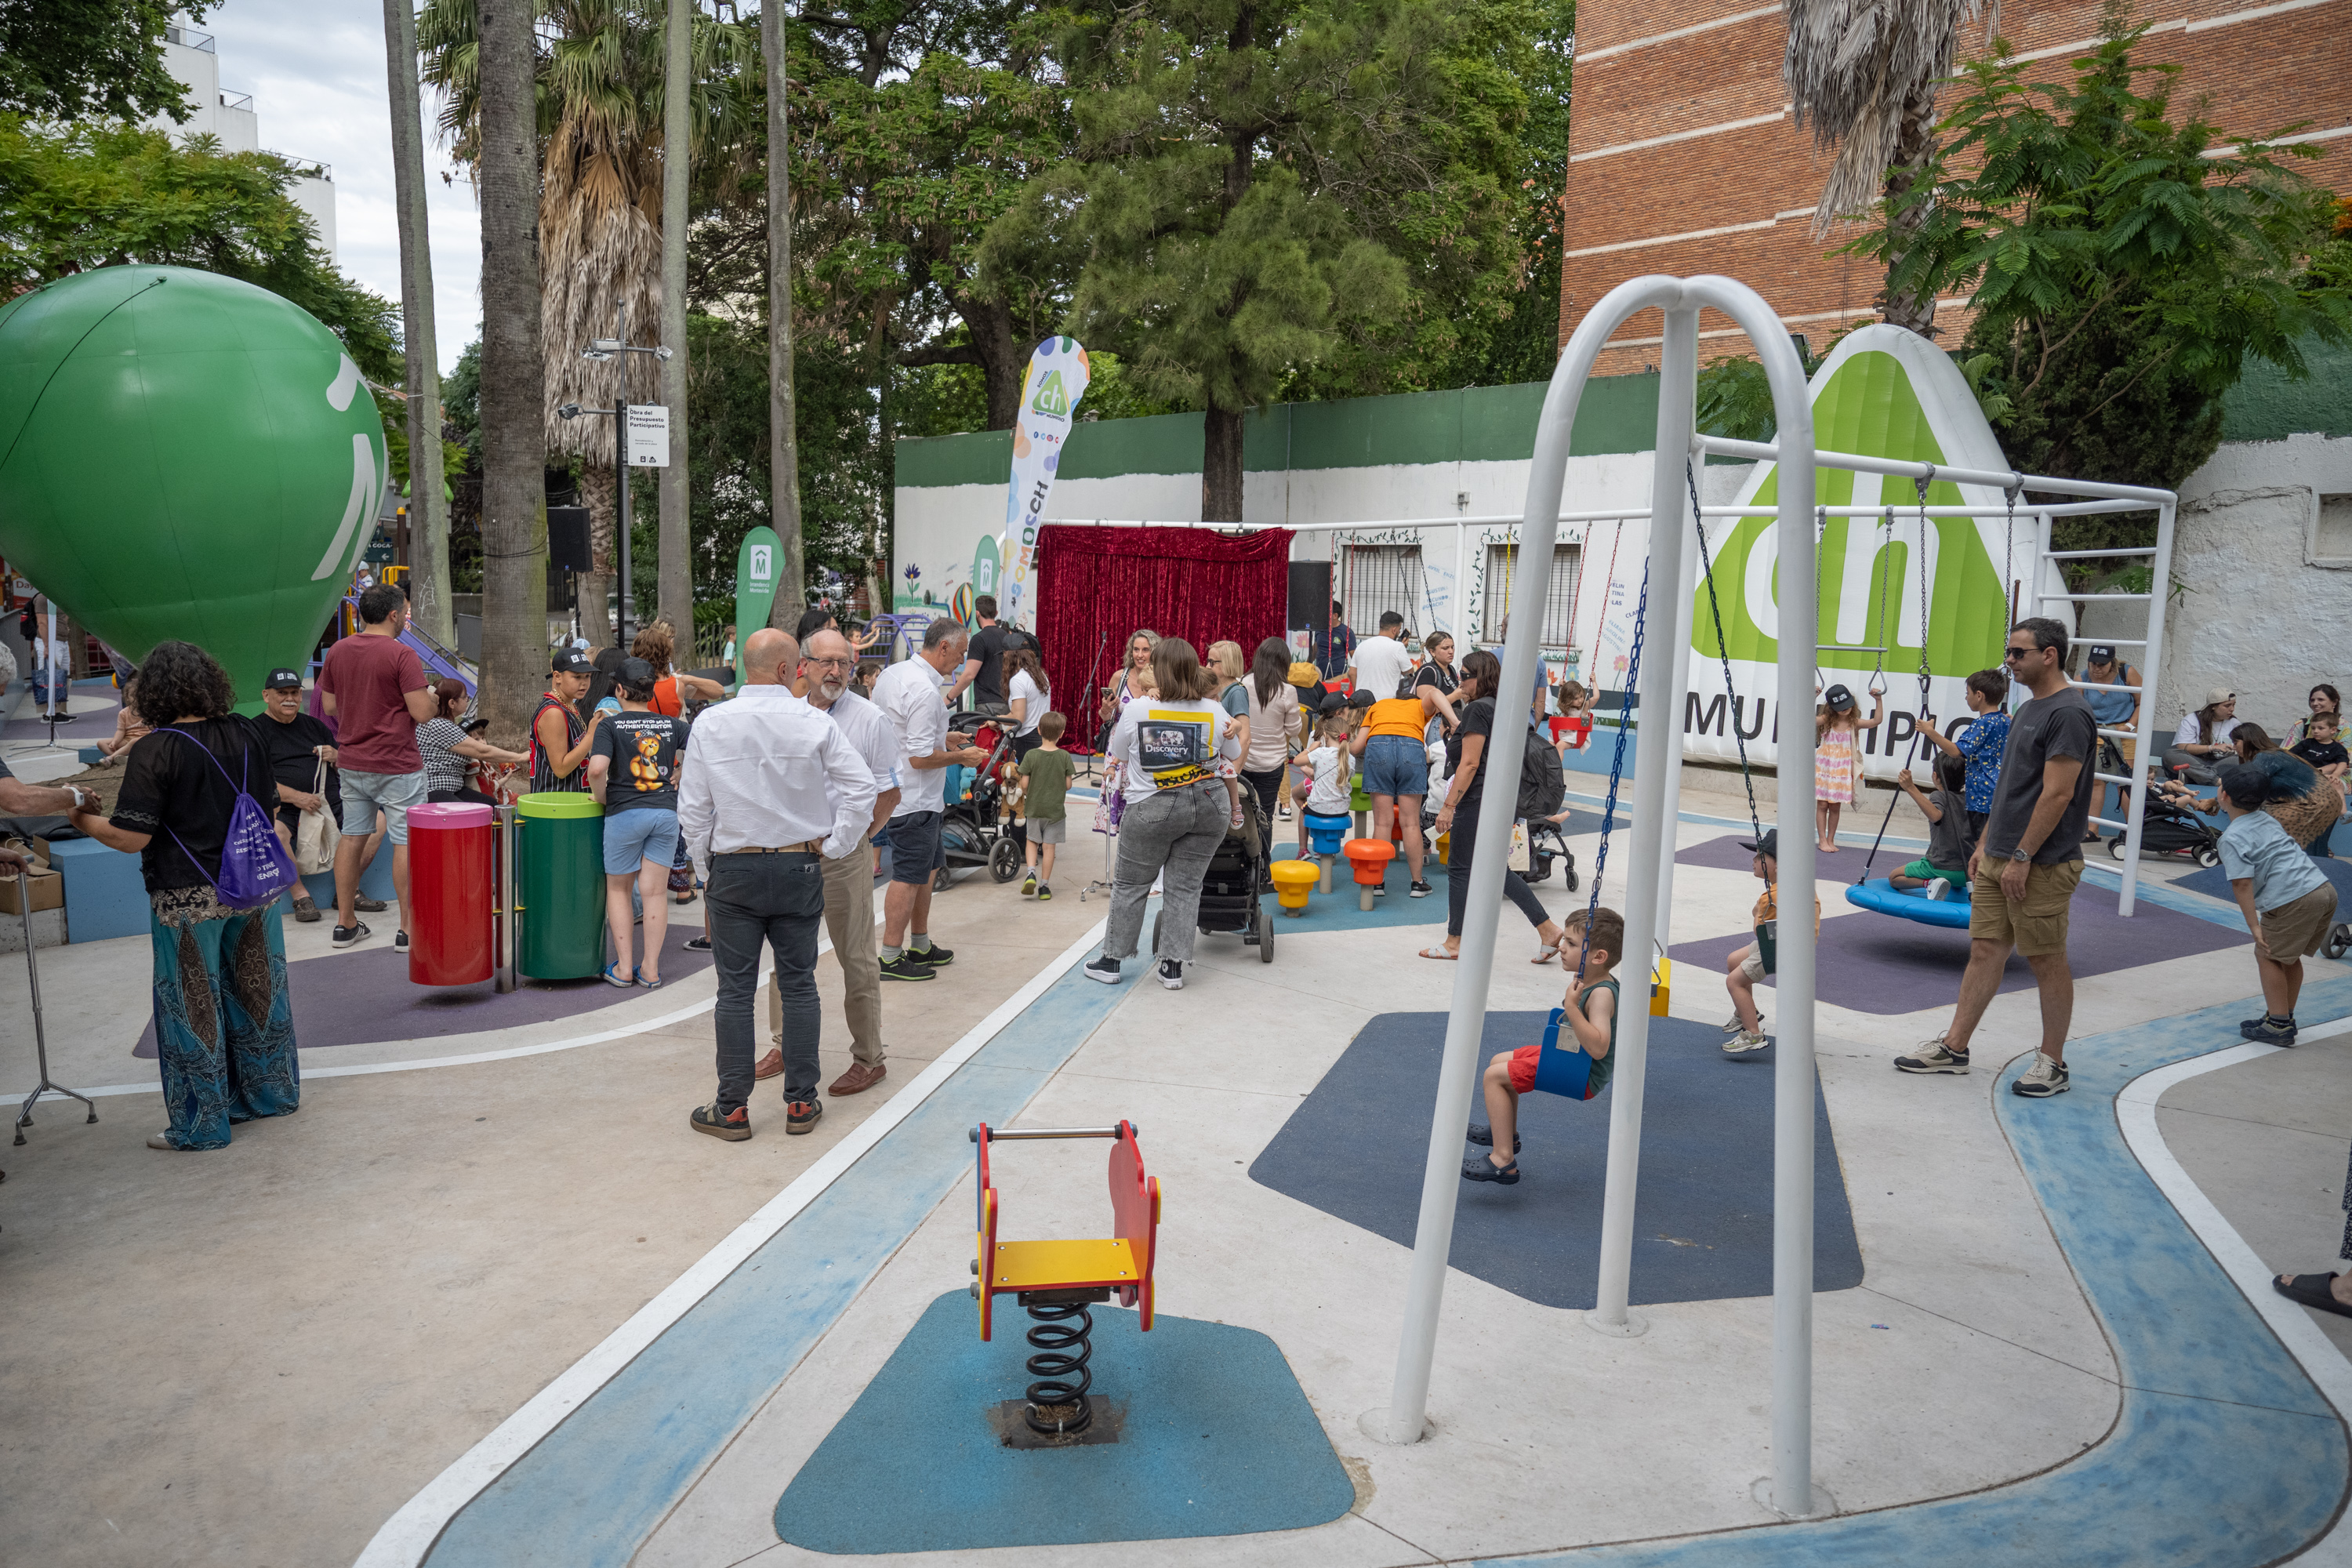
x=770 y=1066
x=861 y=1077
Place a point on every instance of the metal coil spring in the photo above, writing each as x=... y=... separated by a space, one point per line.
x=1062 y=1378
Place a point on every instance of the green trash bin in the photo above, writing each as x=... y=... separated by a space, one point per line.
x=559 y=886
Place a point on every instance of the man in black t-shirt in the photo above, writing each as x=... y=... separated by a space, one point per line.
x=296 y=744
x=983 y=665
x=2022 y=877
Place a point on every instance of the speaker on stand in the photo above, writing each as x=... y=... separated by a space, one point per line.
x=568 y=550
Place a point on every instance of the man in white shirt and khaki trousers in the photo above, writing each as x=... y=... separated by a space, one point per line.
x=768 y=790
x=829 y=662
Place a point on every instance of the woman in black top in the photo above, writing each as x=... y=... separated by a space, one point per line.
x=223 y=1021
x=1465 y=758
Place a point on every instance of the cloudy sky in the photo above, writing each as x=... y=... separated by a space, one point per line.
x=316 y=71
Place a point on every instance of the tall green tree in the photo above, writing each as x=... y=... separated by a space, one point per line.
x=2127 y=256
x=1262 y=187
x=74 y=198
x=91 y=59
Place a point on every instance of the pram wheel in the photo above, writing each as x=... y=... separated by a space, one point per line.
x=1265 y=929
x=941 y=880
x=1004 y=860
x=2209 y=856
x=2116 y=846
x=2339 y=941
x=1569 y=877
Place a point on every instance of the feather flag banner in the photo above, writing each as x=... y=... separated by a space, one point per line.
x=1058 y=372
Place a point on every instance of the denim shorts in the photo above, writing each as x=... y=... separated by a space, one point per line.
x=395 y=792
x=1395 y=765
x=643 y=833
x=915 y=849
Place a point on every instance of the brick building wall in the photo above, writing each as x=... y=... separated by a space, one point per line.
x=1685 y=157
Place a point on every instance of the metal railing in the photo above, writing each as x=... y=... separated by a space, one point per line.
x=237 y=100
x=188 y=38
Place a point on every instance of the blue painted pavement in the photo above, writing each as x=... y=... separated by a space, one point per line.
x=2224 y=1455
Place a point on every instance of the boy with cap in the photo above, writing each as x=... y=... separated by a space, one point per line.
x=559 y=739
x=296 y=745
x=1747 y=968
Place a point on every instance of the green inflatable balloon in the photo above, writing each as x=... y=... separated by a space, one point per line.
x=184 y=456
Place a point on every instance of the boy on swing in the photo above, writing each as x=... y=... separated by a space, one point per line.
x=1746 y=966
x=1588 y=952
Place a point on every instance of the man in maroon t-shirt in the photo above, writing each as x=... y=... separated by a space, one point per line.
x=373 y=687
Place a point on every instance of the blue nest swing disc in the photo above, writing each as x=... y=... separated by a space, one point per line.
x=1881 y=896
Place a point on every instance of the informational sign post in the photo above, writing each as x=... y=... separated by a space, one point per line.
x=756 y=563
x=1058 y=372
x=648 y=435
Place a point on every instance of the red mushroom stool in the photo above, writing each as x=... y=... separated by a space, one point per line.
x=1370 y=858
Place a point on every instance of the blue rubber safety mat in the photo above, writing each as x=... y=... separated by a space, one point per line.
x=1702 y=1214
x=1217 y=1438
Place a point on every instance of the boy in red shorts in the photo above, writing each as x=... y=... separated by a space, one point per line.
x=1589 y=1010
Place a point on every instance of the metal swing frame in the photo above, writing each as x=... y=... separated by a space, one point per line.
x=1789 y=1490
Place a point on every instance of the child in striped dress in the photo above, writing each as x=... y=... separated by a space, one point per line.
x=1837 y=757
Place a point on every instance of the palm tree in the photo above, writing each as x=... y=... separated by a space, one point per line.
x=1865 y=72
x=514 y=487
x=428 y=511
x=600 y=121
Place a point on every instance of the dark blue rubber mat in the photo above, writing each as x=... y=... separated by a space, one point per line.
x=1215 y=1438
x=1702 y=1214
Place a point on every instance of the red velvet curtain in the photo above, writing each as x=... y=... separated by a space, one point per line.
x=1097 y=585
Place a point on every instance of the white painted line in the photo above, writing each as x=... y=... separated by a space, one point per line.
x=470 y=1059
x=1589 y=58
x=1648 y=141
x=410 y=1534
x=2321 y=1361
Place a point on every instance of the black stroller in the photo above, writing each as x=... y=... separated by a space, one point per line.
x=1240 y=874
x=2169 y=833
x=1545 y=845
x=973 y=831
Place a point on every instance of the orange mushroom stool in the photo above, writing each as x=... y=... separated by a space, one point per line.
x=1293 y=879
x=1371 y=858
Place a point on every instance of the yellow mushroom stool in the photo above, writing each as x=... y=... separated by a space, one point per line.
x=1293 y=881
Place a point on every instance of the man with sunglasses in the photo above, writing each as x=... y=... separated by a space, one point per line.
x=2022 y=877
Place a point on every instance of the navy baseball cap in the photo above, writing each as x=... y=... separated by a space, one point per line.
x=635 y=672
x=283 y=680
x=1839 y=698
x=572 y=661
x=1768 y=846
x=2101 y=654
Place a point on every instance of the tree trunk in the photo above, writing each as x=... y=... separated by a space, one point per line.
x=1221 y=466
x=514 y=384
x=598 y=582
x=1003 y=360
x=674 y=581
x=783 y=439
x=1913 y=144
x=429 y=510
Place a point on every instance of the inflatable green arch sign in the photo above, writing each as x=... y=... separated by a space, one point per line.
x=184 y=455
x=1886 y=392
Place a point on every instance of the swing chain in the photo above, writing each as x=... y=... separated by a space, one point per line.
x=1911 y=748
x=1617 y=760
x=1722 y=647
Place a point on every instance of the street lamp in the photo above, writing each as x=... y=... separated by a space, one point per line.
x=601 y=350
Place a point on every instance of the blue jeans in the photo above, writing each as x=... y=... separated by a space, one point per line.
x=778 y=900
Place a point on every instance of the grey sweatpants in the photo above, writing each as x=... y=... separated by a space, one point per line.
x=1176 y=832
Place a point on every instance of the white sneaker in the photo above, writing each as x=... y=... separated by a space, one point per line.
x=2042 y=1079
x=1743 y=1042
x=1171 y=975
x=1937 y=890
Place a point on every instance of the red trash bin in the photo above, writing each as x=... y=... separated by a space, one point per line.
x=450 y=861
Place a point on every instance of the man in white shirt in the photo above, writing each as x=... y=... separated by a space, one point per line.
x=1382 y=665
x=768 y=789
x=829 y=663
x=908 y=695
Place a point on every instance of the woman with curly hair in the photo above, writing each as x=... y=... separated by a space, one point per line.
x=223 y=1022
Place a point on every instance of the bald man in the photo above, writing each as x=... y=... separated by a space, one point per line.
x=768 y=789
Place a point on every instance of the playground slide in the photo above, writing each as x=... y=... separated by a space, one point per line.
x=440 y=661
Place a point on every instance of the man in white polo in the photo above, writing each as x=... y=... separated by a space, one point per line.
x=1383 y=664
x=908 y=693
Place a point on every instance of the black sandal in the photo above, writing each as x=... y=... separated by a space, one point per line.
x=2312 y=1290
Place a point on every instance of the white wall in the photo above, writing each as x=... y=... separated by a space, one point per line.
x=238 y=130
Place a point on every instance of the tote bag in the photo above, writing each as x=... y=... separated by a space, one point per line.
x=317 y=834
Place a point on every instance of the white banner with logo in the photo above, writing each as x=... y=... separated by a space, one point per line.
x=1058 y=377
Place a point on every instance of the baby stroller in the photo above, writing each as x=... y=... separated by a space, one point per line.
x=973 y=829
x=1240 y=873
x=2169 y=833
x=1545 y=845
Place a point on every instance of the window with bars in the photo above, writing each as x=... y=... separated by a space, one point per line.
x=1559 y=596
x=1378 y=578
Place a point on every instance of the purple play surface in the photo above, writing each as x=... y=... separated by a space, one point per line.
x=1877 y=963
x=361 y=998
x=1725 y=854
